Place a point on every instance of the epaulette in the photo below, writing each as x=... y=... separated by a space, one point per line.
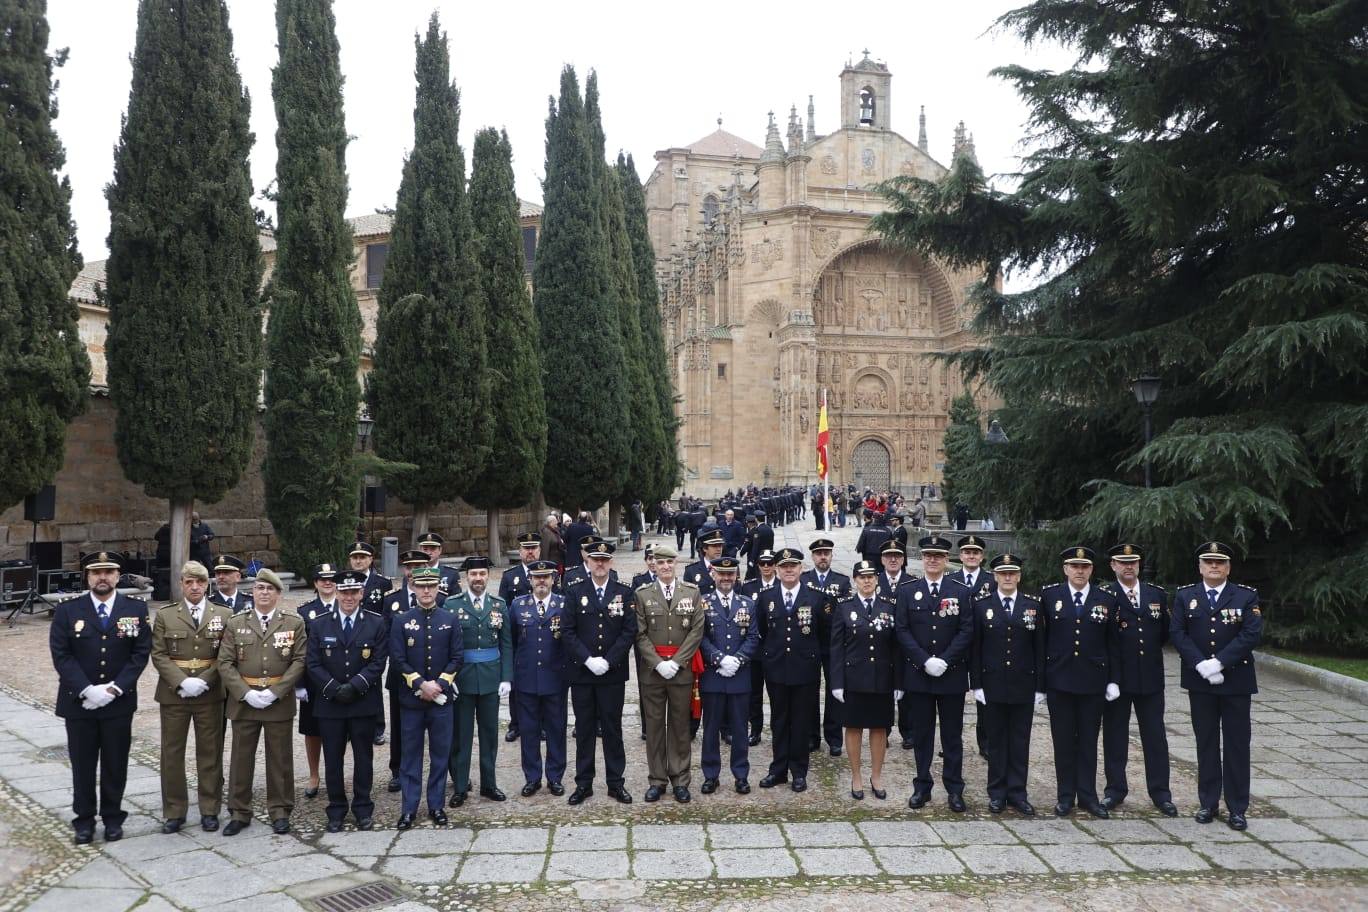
x=1051 y=586
x=1248 y=588
x=1160 y=588
x=1107 y=584
x=371 y=611
x=642 y=586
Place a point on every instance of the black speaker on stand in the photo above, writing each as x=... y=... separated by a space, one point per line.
x=41 y=506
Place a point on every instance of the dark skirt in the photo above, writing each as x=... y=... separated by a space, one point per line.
x=308 y=725
x=867 y=710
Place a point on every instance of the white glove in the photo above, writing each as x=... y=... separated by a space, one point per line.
x=839 y=693
x=257 y=699
x=1113 y=692
x=96 y=696
x=979 y=697
x=668 y=669
x=505 y=688
x=1216 y=679
x=732 y=665
x=302 y=694
x=193 y=687
x=596 y=664
x=725 y=671
x=1039 y=698
x=1209 y=667
x=898 y=695
x=935 y=667
x=267 y=698
x=441 y=698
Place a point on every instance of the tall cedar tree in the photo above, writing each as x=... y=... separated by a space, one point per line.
x=964 y=451
x=643 y=427
x=666 y=474
x=517 y=401
x=44 y=370
x=429 y=389
x=1199 y=198
x=184 y=270
x=586 y=410
x=313 y=341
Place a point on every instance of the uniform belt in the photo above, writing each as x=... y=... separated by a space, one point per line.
x=192 y=664
x=261 y=682
x=483 y=654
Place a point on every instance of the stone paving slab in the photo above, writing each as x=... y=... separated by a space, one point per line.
x=184 y=865
x=917 y=861
x=981 y=859
x=208 y=889
x=669 y=836
x=1341 y=828
x=501 y=868
x=265 y=902
x=589 y=838
x=102 y=873
x=511 y=839
x=1043 y=830
x=1321 y=854
x=422 y=842
x=836 y=862
x=822 y=834
x=744 y=835
x=1073 y=858
x=754 y=863
x=421 y=870
x=680 y=865
x=899 y=833
x=587 y=866
x=64 y=899
x=1111 y=831
x=1245 y=856
x=301 y=869
x=974 y=832
x=1150 y=857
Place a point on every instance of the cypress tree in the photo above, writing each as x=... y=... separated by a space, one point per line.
x=429 y=387
x=586 y=410
x=517 y=401
x=184 y=270
x=44 y=371
x=1197 y=197
x=666 y=473
x=313 y=343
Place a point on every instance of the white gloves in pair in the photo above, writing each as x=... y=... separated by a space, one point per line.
x=193 y=687
x=505 y=688
x=668 y=669
x=597 y=664
x=259 y=699
x=839 y=694
x=302 y=694
x=979 y=697
x=96 y=696
x=1210 y=667
x=935 y=667
x=730 y=666
x=1113 y=691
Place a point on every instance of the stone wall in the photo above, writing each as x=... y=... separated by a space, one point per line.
x=98 y=507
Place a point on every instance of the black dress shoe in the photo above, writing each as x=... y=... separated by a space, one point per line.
x=834 y=751
x=743 y=786
x=235 y=826
x=878 y=793
x=653 y=793
x=438 y=817
x=280 y=826
x=1166 y=808
x=531 y=789
x=394 y=785
x=173 y=824
x=907 y=744
x=405 y=822
x=1063 y=809
x=1024 y=808
x=493 y=793
x=1097 y=810
x=1237 y=822
x=379 y=738
x=334 y=826
x=726 y=738
x=996 y=805
x=681 y=794
x=579 y=794
x=512 y=735
x=311 y=792
x=365 y=823
x=1111 y=802
x=754 y=739
x=799 y=784
x=813 y=746
x=456 y=800
x=619 y=794
x=555 y=788
x=857 y=794
x=956 y=803
x=772 y=780
x=918 y=801
x=1205 y=815
x=209 y=823
x=709 y=786
x=84 y=837
x=113 y=833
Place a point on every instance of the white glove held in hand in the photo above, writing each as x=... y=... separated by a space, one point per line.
x=1113 y=692
x=979 y=697
x=839 y=694
x=1216 y=679
x=193 y=687
x=1209 y=667
x=1039 y=698
x=302 y=694
x=935 y=667
x=596 y=664
x=257 y=699
x=505 y=688
x=731 y=665
x=897 y=696
x=668 y=669
x=96 y=696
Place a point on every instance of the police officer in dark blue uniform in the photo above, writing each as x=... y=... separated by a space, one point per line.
x=761 y=540
x=731 y=638
x=1142 y=621
x=751 y=589
x=100 y=644
x=645 y=577
x=1216 y=625
x=935 y=626
x=361 y=559
x=426 y=651
x=979 y=582
x=792 y=658
x=1007 y=672
x=227 y=572
x=699 y=572
x=1082 y=664
x=834 y=588
x=598 y=633
x=517 y=581
x=864 y=666
x=322 y=605
x=396 y=603
x=432 y=544
x=345 y=662
x=539 y=679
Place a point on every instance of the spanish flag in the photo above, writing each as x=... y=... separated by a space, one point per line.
x=823 y=439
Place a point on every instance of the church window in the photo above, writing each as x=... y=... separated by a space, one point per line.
x=710 y=209
x=376 y=255
x=866 y=105
x=721 y=371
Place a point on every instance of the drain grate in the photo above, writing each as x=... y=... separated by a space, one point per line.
x=356 y=899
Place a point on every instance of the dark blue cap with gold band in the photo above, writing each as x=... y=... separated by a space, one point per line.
x=102 y=560
x=1005 y=562
x=541 y=568
x=726 y=564
x=711 y=537
x=788 y=556
x=228 y=562
x=1214 y=550
x=430 y=538
x=934 y=544
x=865 y=568
x=599 y=548
x=971 y=541
x=362 y=548
x=351 y=579
x=413 y=556
x=821 y=544
x=892 y=546
x=529 y=539
x=1078 y=554
x=1125 y=552
x=325 y=572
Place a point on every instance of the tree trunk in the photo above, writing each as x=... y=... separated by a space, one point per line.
x=420 y=523
x=492 y=523
x=539 y=510
x=180 y=541
x=614 y=510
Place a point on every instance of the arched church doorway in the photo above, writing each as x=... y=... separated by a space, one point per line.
x=871 y=465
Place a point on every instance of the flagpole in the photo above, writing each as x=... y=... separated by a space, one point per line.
x=826 y=476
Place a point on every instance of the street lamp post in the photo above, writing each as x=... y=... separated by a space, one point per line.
x=1146 y=390
x=364 y=425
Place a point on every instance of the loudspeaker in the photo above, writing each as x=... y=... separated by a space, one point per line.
x=375 y=498
x=41 y=506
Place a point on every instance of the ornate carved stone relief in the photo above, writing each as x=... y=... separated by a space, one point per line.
x=768 y=252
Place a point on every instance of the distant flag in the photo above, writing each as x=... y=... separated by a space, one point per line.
x=823 y=439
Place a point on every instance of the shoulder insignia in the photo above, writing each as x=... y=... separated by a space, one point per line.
x=1033 y=598
x=1248 y=588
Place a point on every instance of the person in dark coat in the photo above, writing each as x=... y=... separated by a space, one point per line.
x=324 y=604
x=574 y=535
x=761 y=540
x=539 y=680
x=834 y=588
x=864 y=653
x=979 y=582
x=751 y=589
x=553 y=542
x=731 y=639
x=516 y=581
x=872 y=537
x=792 y=658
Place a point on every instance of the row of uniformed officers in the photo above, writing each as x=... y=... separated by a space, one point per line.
x=881 y=638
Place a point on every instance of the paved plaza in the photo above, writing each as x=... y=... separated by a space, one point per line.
x=1306 y=847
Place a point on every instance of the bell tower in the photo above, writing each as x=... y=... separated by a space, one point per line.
x=866 y=95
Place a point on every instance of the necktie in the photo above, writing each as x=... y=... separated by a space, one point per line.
x=1007 y=605
x=195 y=615
x=788 y=602
x=103 y=610
x=969 y=581
x=265 y=619
x=669 y=593
x=1211 y=598
x=935 y=590
x=821 y=580
x=599 y=591
x=869 y=606
x=1135 y=602
x=347 y=628
x=1078 y=604
x=726 y=604
x=226 y=598
x=413 y=600
x=541 y=609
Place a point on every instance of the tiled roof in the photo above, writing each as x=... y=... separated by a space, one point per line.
x=83 y=288
x=720 y=142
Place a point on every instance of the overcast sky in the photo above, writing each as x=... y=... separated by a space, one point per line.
x=666 y=73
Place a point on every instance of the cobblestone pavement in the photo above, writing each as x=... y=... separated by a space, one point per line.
x=1306 y=848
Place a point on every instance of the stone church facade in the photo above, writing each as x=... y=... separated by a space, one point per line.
x=773 y=288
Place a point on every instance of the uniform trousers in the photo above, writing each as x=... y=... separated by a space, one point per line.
x=280 y=785
x=470 y=708
x=513 y=711
x=99 y=745
x=1149 y=715
x=1075 y=720
x=727 y=709
x=1007 y=726
x=544 y=714
x=665 y=705
x=175 y=731
x=598 y=707
x=435 y=723
x=980 y=731
x=359 y=732
x=1221 y=724
x=757 y=697
x=790 y=727
x=924 y=710
x=827 y=719
x=904 y=708
x=396 y=751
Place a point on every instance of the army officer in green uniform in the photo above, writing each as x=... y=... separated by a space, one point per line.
x=485 y=678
